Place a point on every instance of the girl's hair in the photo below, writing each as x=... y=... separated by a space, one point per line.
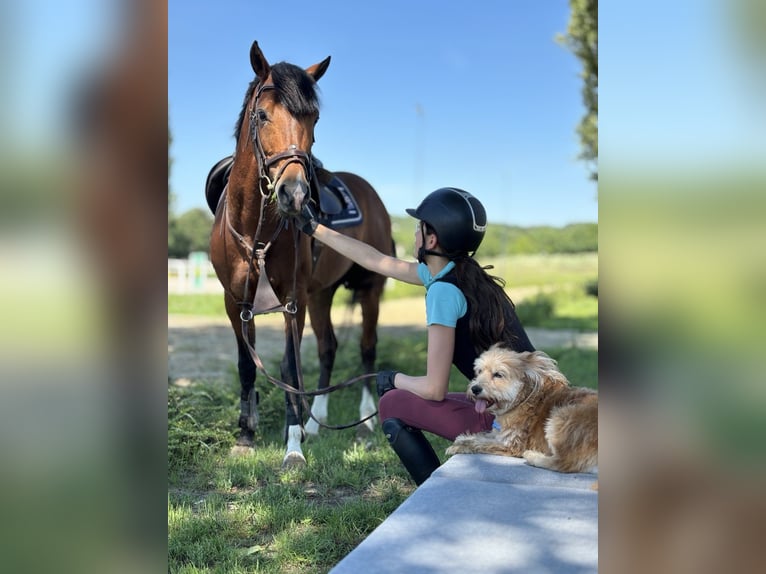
x=493 y=314
x=492 y=310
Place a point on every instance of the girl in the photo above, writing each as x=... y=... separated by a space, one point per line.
x=467 y=310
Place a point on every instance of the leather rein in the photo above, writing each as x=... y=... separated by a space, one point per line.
x=265 y=299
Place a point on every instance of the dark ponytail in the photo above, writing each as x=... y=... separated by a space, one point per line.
x=493 y=314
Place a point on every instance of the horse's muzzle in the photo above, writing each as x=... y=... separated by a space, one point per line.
x=291 y=195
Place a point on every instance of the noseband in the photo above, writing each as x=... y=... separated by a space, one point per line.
x=291 y=155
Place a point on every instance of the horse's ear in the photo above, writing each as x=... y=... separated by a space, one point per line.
x=258 y=62
x=317 y=70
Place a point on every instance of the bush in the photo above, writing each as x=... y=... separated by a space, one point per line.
x=536 y=310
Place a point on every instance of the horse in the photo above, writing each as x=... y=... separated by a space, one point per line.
x=266 y=265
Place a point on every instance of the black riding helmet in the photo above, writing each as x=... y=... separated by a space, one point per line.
x=458 y=219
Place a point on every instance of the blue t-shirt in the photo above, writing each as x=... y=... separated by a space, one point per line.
x=445 y=303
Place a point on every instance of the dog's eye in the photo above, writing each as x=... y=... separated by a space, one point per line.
x=497 y=375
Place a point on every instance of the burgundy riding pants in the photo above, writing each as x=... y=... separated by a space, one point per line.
x=448 y=418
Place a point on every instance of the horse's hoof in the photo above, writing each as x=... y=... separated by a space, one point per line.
x=241 y=450
x=365 y=443
x=293 y=459
x=363 y=432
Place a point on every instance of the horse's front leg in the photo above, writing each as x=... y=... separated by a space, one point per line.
x=293 y=402
x=327 y=346
x=248 y=401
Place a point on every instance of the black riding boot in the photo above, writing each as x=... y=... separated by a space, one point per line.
x=413 y=449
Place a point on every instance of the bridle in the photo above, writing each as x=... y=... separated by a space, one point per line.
x=291 y=155
x=265 y=299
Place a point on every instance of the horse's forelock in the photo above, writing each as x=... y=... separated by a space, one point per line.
x=295 y=89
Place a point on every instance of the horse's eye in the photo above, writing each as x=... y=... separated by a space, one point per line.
x=262 y=115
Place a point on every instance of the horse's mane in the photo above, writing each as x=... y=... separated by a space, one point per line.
x=295 y=90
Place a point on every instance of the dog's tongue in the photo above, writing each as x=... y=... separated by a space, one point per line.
x=480 y=406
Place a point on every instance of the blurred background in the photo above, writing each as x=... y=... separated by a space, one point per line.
x=83 y=188
x=682 y=176
x=83 y=293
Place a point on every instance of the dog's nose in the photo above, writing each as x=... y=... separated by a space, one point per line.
x=476 y=389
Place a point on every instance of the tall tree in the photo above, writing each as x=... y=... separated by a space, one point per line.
x=582 y=39
x=189 y=232
x=170 y=163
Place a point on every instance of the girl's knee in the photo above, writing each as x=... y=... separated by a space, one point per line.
x=390 y=403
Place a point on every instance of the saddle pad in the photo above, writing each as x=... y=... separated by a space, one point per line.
x=338 y=207
x=349 y=215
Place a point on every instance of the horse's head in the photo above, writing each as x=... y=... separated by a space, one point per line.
x=283 y=107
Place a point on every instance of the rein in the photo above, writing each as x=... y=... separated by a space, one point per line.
x=265 y=299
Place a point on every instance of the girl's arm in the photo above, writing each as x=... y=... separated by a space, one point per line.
x=435 y=384
x=367 y=256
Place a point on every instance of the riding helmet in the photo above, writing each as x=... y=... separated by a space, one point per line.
x=457 y=217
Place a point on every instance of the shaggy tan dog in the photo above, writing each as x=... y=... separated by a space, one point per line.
x=541 y=418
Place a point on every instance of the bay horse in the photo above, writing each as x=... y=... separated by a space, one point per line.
x=265 y=264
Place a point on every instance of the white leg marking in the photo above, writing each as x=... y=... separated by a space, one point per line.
x=366 y=408
x=319 y=410
x=294 y=455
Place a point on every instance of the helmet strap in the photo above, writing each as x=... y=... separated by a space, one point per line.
x=422 y=252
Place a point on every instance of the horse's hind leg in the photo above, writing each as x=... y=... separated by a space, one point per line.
x=248 y=403
x=327 y=346
x=369 y=299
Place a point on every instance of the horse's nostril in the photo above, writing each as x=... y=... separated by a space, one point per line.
x=291 y=195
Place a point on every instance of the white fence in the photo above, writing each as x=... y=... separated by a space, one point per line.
x=192 y=275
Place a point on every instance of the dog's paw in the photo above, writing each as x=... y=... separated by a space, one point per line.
x=458 y=447
x=534 y=457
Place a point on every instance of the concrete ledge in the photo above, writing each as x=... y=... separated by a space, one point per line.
x=486 y=514
x=492 y=468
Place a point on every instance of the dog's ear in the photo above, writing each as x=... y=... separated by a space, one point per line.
x=531 y=369
x=539 y=367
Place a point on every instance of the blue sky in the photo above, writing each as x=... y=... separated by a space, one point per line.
x=678 y=87
x=418 y=95
x=500 y=98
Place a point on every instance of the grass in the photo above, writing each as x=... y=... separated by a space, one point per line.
x=237 y=515
x=232 y=515
x=550 y=291
x=244 y=514
x=204 y=305
x=523 y=273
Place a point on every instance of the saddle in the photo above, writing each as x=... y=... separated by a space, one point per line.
x=217 y=179
x=337 y=206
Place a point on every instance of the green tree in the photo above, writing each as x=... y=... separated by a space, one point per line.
x=170 y=164
x=189 y=232
x=582 y=39
x=511 y=239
